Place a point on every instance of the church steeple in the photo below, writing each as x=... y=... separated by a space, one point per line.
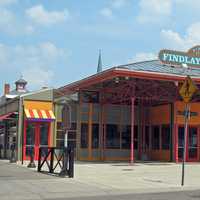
x=99 y=67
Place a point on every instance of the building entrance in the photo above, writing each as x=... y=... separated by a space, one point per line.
x=36 y=135
x=192 y=147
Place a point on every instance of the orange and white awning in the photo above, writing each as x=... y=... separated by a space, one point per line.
x=39 y=114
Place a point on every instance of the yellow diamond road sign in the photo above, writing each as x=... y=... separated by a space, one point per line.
x=188 y=89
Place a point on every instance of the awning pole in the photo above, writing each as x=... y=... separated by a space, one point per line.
x=132 y=130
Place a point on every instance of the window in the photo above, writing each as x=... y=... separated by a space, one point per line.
x=146 y=138
x=72 y=136
x=112 y=136
x=180 y=142
x=95 y=136
x=135 y=137
x=155 y=137
x=44 y=131
x=84 y=135
x=165 y=137
x=60 y=135
x=126 y=137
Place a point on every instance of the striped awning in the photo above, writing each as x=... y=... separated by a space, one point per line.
x=35 y=114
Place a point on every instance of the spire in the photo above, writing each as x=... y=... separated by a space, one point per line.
x=99 y=67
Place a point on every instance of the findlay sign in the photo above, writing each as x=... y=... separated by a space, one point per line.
x=190 y=58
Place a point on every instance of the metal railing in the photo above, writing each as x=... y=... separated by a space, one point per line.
x=58 y=161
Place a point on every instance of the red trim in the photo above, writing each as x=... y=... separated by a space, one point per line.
x=187 y=152
x=110 y=74
x=132 y=130
x=176 y=142
x=198 y=136
x=37 y=138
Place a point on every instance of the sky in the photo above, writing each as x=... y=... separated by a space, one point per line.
x=52 y=43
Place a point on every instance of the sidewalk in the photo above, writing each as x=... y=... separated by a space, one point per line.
x=150 y=176
x=95 y=179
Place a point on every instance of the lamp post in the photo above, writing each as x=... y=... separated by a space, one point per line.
x=66 y=124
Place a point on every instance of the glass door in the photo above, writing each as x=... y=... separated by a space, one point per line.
x=36 y=136
x=43 y=136
x=192 y=150
x=180 y=142
x=192 y=144
x=30 y=139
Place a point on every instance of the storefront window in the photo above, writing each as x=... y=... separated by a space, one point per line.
x=84 y=135
x=126 y=137
x=112 y=136
x=72 y=136
x=180 y=142
x=155 y=137
x=30 y=138
x=135 y=137
x=146 y=137
x=60 y=135
x=95 y=136
x=165 y=137
x=44 y=129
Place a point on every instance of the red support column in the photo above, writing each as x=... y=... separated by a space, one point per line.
x=132 y=129
x=140 y=131
x=104 y=133
x=175 y=135
x=176 y=143
x=198 y=144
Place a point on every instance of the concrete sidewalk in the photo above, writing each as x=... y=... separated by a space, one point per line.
x=139 y=176
x=95 y=179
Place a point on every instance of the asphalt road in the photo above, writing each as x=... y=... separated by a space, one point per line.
x=181 y=195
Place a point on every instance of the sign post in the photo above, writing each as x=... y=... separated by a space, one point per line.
x=187 y=90
x=185 y=143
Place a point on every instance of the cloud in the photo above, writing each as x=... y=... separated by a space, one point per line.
x=113 y=5
x=142 y=56
x=7 y=2
x=38 y=77
x=12 y=25
x=7 y=20
x=40 y=16
x=106 y=12
x=35 y=62
x=118 y=3
x=154 y=11
x=191 y=3
x=175 y=40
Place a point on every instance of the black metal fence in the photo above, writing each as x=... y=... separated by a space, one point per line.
x=58 y=161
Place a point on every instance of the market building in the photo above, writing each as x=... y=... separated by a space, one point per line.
x=135 y=106
x=125 y=113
